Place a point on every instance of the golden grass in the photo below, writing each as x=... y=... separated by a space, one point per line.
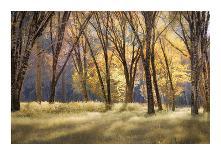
x=88 y=123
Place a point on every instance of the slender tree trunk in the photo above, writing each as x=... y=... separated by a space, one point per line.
x=169 y=75
x=38 y=80
x=85 y=74
x=143 y=84
x=108 y=84
x=97 y=69
x=155 y=82
x=63 y=85
x=53 y=86
x=107 y=68
x=56 y=51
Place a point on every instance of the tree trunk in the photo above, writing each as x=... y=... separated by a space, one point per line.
x=149 y=21
x=21 y=49
x=108 y=85
x=97 y=69
x=149 y=91
x=206 y=73
x=84 y=91
x=129 y=93
x=85 y=74
x=169 y=75
x=107 y=68
x=155 y=82
x=56 y=51
x=15 y=100
x=38 y=81
x=52 y=90
x=194 y=81
x=173 y=101
x=63 y=86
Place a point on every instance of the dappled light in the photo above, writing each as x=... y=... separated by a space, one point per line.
x=120 y=77
x=109 y=127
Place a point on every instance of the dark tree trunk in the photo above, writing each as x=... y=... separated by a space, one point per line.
x=129 y=93
x=15 y=100
x=207 y=89
x=105 y=50
x=149 y=18
x=21 y=49
x=149 y=91
x=194 y=85
x=52 y=91
x=196 y=41
x=108 y=83
x=85 y=74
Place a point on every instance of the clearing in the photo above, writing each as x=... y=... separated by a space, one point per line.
x=87 y=123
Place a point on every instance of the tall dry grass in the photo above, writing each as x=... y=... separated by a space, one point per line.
x=89 y=123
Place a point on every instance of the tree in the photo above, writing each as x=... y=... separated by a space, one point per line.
x=38 y=72
x=101 y=27
x=127 y=51
x=149 y=20
x=80 y=64
x=98 y=71
x=194 y=28
x=26 y=28
x=56 y=51
x=168 y=74
x=63 y=85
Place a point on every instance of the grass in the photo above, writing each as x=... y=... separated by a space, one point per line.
x=86 y=123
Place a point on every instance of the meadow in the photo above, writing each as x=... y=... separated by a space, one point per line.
x=90 y=123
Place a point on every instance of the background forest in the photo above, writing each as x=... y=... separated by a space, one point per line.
x=95 y=61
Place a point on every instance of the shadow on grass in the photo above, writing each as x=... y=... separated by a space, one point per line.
x=113 y=128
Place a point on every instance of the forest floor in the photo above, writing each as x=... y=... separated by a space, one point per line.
x=79 y=123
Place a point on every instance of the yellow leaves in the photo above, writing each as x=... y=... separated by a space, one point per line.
x=178 y=66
